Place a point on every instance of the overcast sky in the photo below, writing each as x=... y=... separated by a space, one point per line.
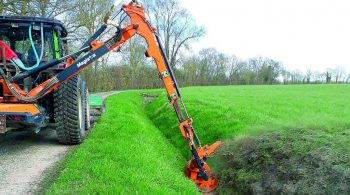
x=300 y=33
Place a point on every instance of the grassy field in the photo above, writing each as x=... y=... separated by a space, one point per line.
x=277 y=139
x=125 y=153
x=239 y=111
x=137 y=147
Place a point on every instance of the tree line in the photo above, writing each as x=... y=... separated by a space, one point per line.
x=177 y=30
x=210 y=67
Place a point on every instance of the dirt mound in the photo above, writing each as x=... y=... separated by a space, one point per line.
x=288 y=162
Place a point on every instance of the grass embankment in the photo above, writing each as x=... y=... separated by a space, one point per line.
x=287 y=139
x=124 y=154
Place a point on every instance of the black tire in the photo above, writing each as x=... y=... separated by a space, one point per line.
x=69 y=111
x=2 y=137
x=86 y=103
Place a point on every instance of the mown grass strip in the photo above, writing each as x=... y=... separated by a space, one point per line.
x=124 y=154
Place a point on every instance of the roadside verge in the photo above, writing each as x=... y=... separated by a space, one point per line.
x=124 y=153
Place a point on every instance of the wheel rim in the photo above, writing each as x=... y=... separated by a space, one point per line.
x=87 y=110
x=80 y=112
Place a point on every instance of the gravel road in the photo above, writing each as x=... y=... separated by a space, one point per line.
x=25 y=156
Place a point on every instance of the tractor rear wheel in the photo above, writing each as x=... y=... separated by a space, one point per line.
x=70 y=111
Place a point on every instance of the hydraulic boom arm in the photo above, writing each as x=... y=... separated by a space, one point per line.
x=197 y=170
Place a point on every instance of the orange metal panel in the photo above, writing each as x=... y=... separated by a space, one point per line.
x=19 y=108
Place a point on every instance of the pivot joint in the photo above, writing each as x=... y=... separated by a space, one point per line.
x=164 y=74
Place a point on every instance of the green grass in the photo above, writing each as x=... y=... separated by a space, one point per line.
x=125 y=154
x=277 y=139
x=138 y=148
x=227 y=112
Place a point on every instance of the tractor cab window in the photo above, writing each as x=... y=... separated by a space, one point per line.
x=43 y=50
x=30 y=49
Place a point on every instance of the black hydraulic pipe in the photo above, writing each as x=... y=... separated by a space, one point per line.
x=43 y=66
x=176 y=86
x=178 y=112
x=199 y=163
x=168 y=66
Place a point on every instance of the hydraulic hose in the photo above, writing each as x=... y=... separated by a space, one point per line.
x=42 y=44
x=25 y=98
x=38 y=60
x=32 y=43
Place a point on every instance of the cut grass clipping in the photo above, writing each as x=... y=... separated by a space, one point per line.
x=124 y=154
x=277 y=139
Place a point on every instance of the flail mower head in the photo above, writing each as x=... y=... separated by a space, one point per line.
x=205 y=182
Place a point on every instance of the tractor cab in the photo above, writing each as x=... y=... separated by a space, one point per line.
x=35 y=40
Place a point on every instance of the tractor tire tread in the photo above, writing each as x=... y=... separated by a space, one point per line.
x=66 y=106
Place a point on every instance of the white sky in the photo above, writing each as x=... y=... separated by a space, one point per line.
x=300 y=33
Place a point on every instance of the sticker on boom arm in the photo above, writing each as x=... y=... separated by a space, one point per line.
x=86 y=61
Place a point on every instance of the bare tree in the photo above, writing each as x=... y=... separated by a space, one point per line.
x=82 y=22
x=43 y=8
x=338 y=73
x=328 y=76
x=297 y=76
x=12 y=7
x=50 y=8
x=233 y=69
x=348 y=78
x=133 y=55
x=308 y=75
x=176 y=27
x=3 y=4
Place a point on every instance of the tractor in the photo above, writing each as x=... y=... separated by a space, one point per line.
x=36 y=41
x=40 y=82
